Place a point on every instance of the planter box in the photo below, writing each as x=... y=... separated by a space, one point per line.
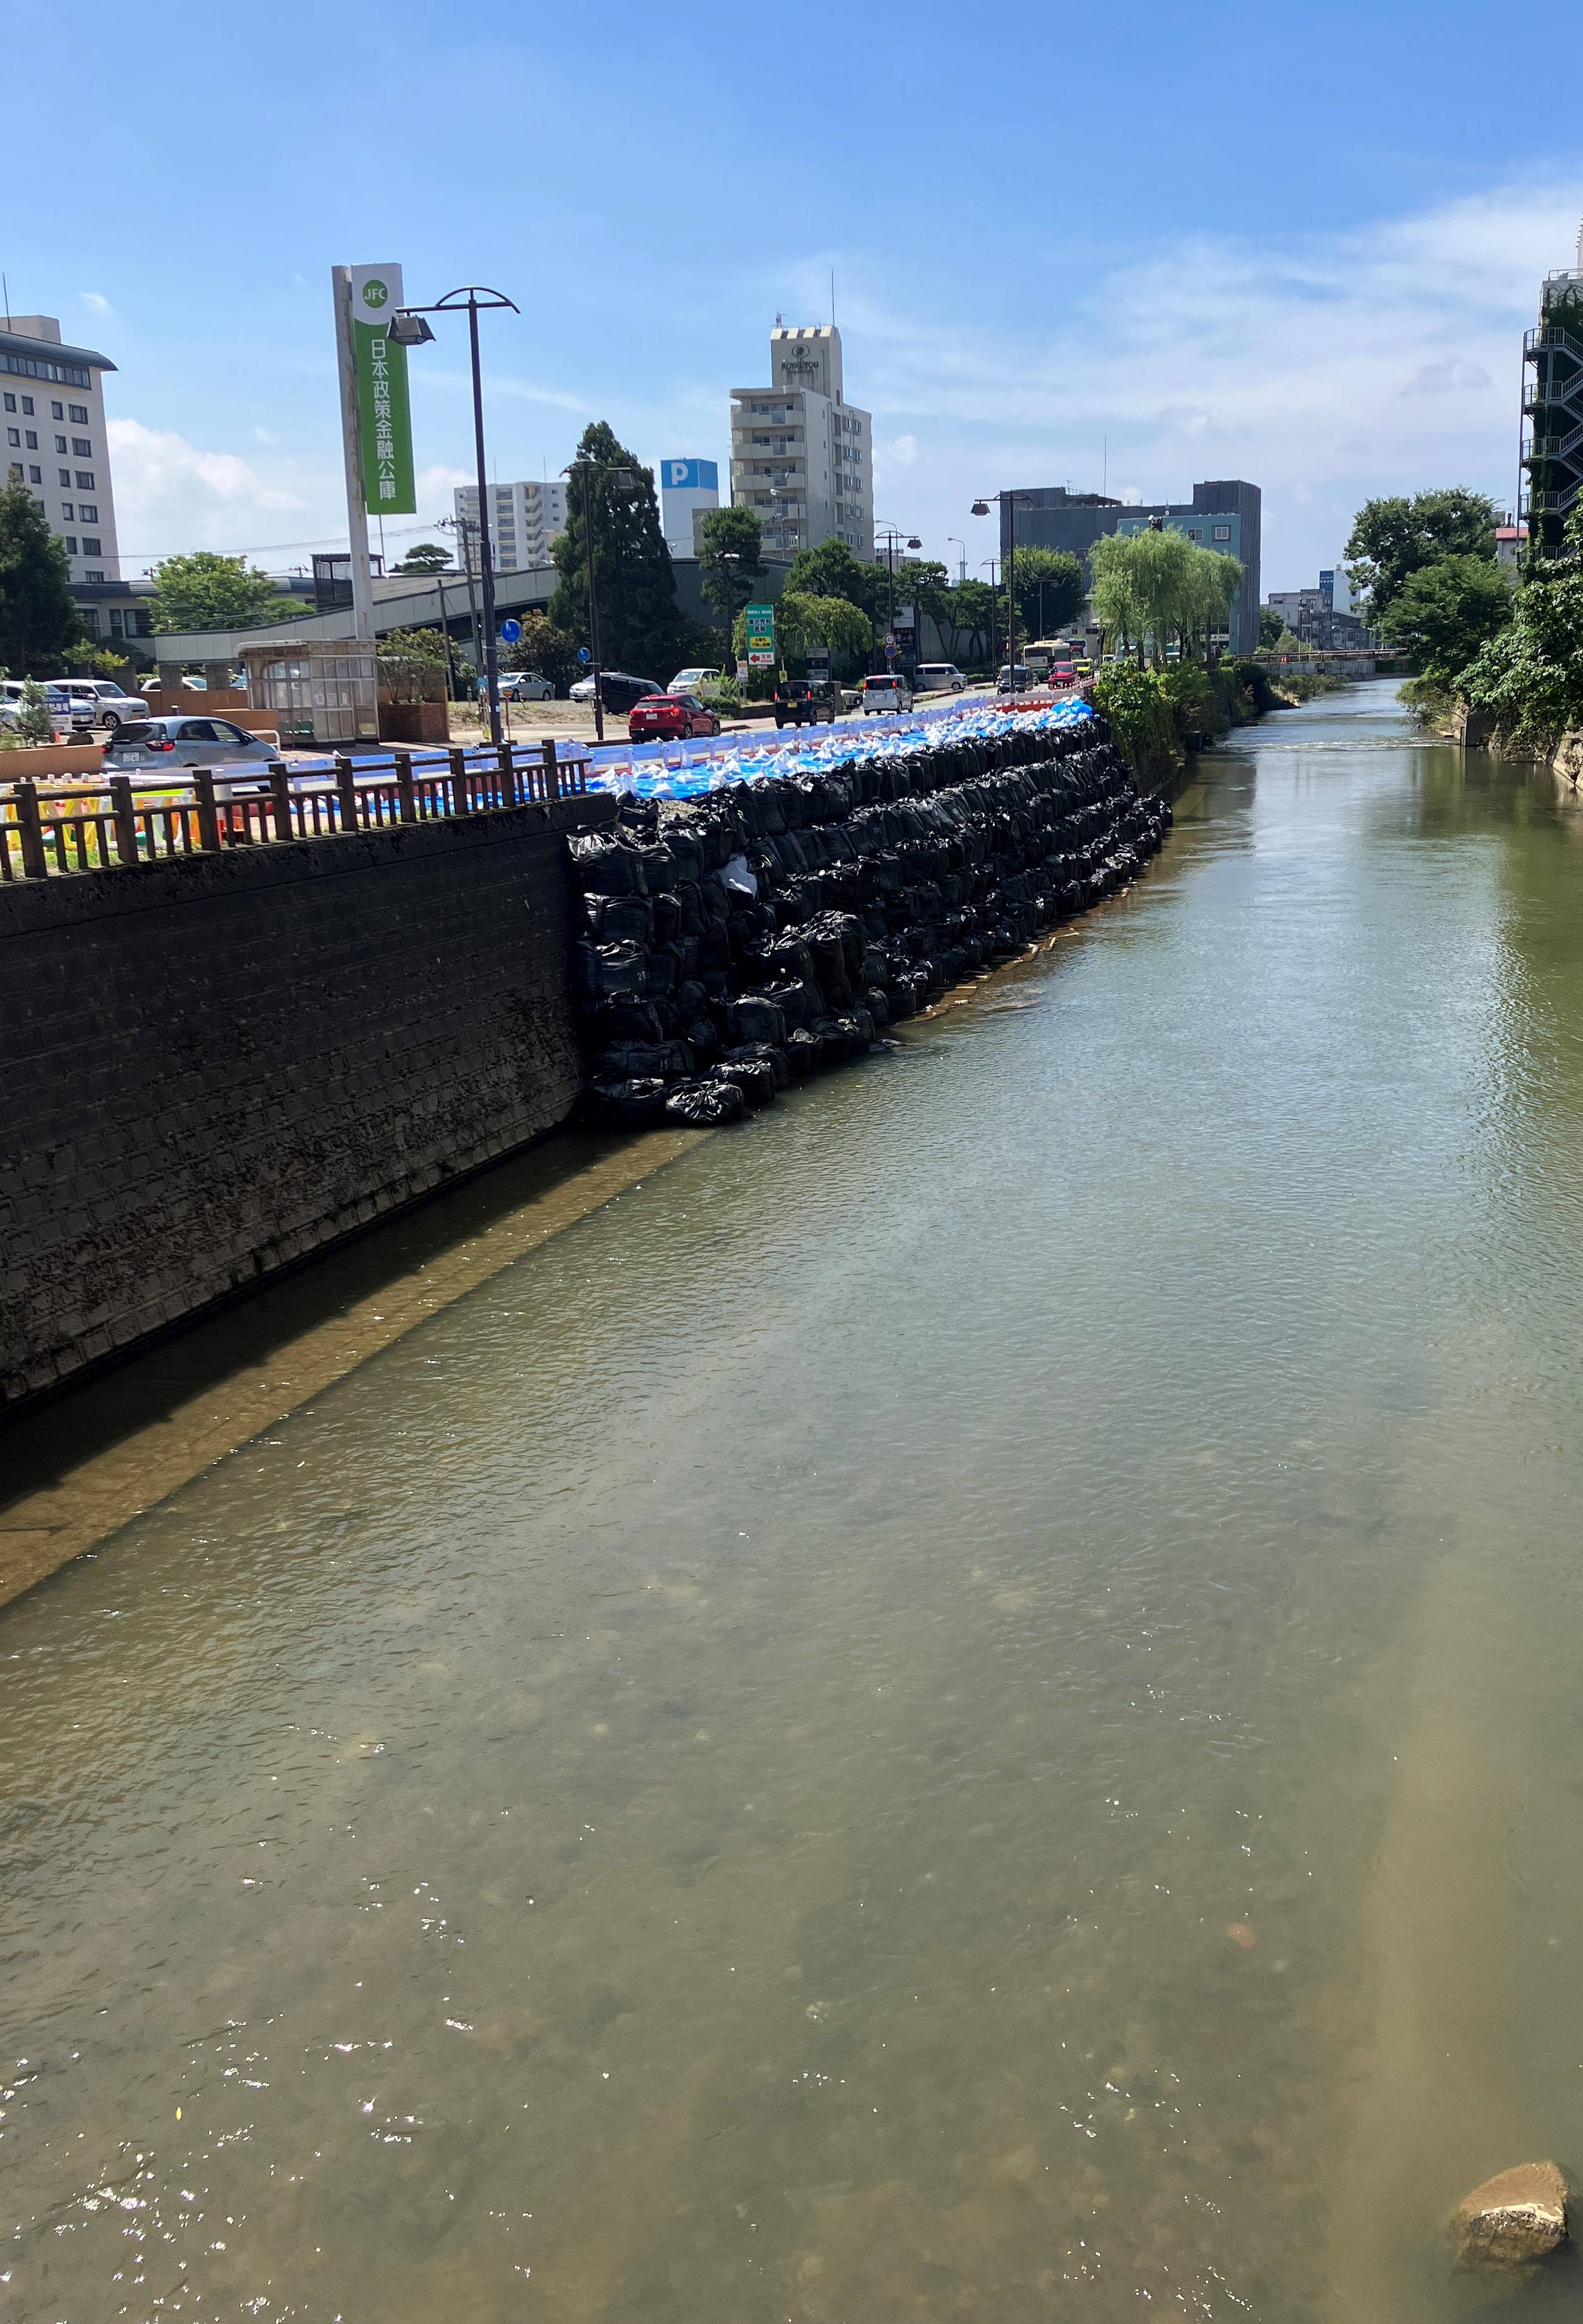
x=46 y=762
x=220 y=701
x=423 y=723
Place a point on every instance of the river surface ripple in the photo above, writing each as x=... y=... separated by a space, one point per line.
x=963 y=1705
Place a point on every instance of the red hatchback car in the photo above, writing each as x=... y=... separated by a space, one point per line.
x=670 y=718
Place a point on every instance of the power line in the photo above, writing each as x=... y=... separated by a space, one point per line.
x=277 y=547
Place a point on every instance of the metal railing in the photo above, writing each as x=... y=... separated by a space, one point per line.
x=101 y=822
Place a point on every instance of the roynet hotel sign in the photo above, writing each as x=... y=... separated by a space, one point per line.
x=384 y=414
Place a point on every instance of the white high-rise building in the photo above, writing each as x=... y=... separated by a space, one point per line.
x=523 y=520
x=688 y=490
x=801 y=455
x=52 y=409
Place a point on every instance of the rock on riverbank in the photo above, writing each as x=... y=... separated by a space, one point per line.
x=1516 y=2217
x=735 y=943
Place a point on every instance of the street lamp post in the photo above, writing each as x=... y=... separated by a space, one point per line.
x=624 y=480
x=891 y=534
x=952 y=542
x=409 y=329
x=1012 y=501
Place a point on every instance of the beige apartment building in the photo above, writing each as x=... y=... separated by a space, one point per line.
x=801 y=455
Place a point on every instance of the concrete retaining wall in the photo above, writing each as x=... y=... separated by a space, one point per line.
x=215 y=1065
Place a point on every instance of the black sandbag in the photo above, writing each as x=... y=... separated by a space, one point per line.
x=755 y=1018
x=619 y=919
x=702 y=1036
x=606 y=1022
x=664 y=1061
x=752 y=1076
x=624 y=1105
x=705 y=1104
x=804 y=1052
x=877 y=1005
x=766 y=1053
x=608 y=972
x=666 y=915
x=609 y=867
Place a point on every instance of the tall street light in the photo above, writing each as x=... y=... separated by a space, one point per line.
x=1010 y=503
x=890 y=534
x=409 y=329
x=952 y=542
x=622 y=480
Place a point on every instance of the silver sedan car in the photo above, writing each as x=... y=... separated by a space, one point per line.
x=153 y=746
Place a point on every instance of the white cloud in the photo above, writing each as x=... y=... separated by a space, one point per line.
x=169 y=494
x=96 y=303
x=1381 y=359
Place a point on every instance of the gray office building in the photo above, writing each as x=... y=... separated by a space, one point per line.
x=1222 y=515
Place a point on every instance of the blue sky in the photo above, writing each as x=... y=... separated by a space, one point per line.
x=1174 y=243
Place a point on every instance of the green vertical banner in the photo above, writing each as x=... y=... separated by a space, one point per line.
x=385 y=412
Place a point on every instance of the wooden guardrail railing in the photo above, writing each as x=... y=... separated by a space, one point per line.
x=99 y=823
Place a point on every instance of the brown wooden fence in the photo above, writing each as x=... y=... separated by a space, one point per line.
x=98 y=823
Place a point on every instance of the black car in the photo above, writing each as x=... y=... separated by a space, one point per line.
x=619 y=691
x=804 y=701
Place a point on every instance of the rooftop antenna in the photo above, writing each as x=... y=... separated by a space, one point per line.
x=833 y=283
x=1579 y=254
x=7 y=287
x=1105 y=471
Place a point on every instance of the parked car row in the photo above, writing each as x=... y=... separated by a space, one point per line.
x=78 y=703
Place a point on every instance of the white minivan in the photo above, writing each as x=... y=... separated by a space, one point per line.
x=884 y=696
x=100 y=702
x=939 y=677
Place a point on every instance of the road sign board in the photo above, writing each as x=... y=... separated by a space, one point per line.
x=510 y=631
x=584 y=654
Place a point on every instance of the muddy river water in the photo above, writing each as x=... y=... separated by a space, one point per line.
x=963 y=1704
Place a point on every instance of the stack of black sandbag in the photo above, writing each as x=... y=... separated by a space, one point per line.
x=732 y=945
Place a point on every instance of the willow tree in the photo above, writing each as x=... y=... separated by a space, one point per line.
x=1118 y=606
x=1212 y=583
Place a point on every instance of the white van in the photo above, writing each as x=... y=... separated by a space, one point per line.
x=939 y=677
x=883 y=696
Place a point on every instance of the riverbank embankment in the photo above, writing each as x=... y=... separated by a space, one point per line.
x=218 y=1065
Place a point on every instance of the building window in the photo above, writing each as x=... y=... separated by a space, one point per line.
x=87 y=513
x=13 y=438
x=16 y=472
x=35 y=475
x=82 y=447
x=95 y=577
x=61 y=443
x=57 y=411
x=85 y=482
x=27 y=405
x=71 y=544
x=11 y=402
x=32 y=440
x=1222 y=532
x=92 y=547
x=114 y=620
x=80 y=414
x=64 y=477
x=66 y=510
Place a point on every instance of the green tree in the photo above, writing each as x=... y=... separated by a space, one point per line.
x=1530 y=676
x=408 y=660
x=1270 y=625
x=426 y=557
x=832 y=570
x=207 y=591
x=803 y=620
x=1445 y=612
x=1394 y=537
x=545 y=651
x=38 y=621
x=972 y=616
x=33 y=722
x=1118 y=605
x=638 y=619
x=1049 y=590
x=1211 y=584
x=730 y=559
